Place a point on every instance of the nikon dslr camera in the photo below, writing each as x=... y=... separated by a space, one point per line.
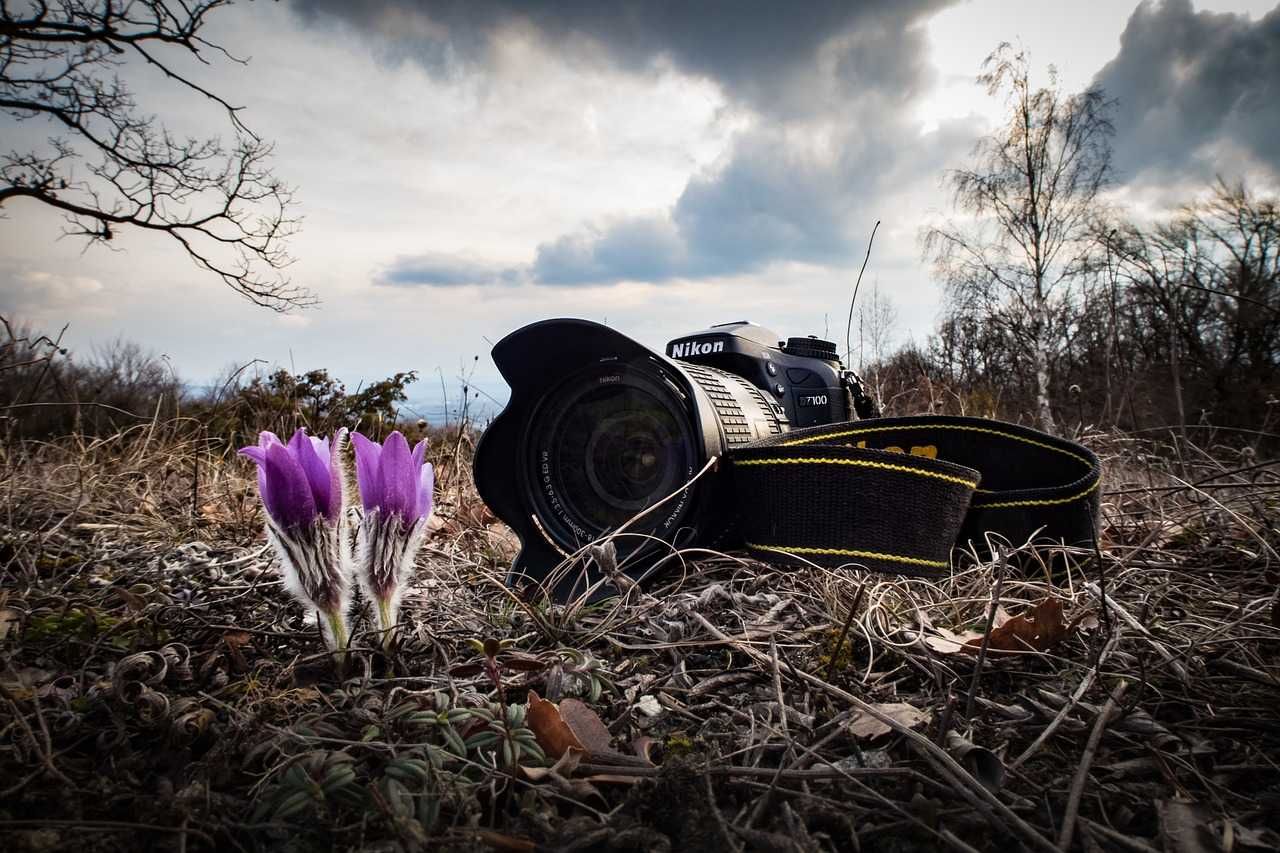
x=602 y=433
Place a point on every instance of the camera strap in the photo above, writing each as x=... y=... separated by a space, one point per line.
x=898 y=494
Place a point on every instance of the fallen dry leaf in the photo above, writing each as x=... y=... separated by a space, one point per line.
x=586 y=726
x=984 y=764
x=946 y=642
x=554 y=736
x=863 y=725
x=571 y=725
x=1040 y=629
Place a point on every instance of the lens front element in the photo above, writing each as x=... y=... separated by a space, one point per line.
x=606 y=445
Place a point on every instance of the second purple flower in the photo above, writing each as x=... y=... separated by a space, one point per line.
x=396 y=491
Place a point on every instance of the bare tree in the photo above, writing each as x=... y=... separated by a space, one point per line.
x=1032 y=193
x=1204 y=287
x=221 y=203
x=877 y=322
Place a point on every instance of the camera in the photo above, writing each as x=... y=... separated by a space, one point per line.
x=603 y=434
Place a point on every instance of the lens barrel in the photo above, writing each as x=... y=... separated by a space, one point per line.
x=600 y=429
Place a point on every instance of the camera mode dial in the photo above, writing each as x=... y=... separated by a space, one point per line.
x=811 y=347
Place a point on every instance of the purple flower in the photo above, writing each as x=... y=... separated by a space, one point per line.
x=300 y=480
x=301 y=485
x=395 y=489
x=393 y=480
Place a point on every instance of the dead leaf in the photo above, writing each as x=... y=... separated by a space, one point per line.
x=586 y=726
x=984 y=764
x=554 y=736
x=571 y=725
x=131 y=599
x=1083 y=622
x=1184 y=827
x=8 y=620
x=865 y=726
x=1040 y=629
x=643 y=746
x=946 y=642
x=522 y=663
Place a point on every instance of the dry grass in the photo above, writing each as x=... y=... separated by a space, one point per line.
x=160 y=691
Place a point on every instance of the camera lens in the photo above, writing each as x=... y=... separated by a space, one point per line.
x=628 y=454
x=605 y=445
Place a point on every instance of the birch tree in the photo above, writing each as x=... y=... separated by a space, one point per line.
x=1025 y=205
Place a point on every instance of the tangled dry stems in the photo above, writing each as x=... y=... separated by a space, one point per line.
x=158 y=689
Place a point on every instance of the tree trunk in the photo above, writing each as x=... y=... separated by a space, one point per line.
x=1040 y=361
x=1044 y=410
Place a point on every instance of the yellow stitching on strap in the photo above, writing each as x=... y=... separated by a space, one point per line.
x=814 y=438
x=844 y=552
x=1044 y=502
x=861 y=463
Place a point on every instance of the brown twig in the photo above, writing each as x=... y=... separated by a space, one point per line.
x=1086 y=761
x=1001 y=563
x=967 y=786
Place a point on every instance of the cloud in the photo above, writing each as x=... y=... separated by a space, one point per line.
x=42 y=297
x=827 y=97
x=634 y=249
x=1193 y=87
x=444 y=270
x=759 y=51
x=768 y=201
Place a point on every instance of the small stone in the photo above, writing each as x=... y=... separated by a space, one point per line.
x=648 y=705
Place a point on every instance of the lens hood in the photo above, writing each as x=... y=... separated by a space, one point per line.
x=535 y=361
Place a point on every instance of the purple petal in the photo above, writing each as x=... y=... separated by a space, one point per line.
x=399 y=478
x=426 y=484
x=368 y=474
x=259 y=456
x=267 y=437
x=287 y=496
x=419 y=453
x=314 y=466
x=334 y=449
x=321 y=446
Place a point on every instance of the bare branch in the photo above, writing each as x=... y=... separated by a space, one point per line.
x=222 y=204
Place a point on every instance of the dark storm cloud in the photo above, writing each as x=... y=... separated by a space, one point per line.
x=1186 y=80
x=759 y=51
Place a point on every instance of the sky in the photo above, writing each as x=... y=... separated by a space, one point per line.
x=466 y=167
